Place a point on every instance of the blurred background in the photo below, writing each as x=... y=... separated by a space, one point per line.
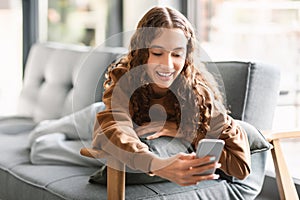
x=266 y=31
x=250 y=30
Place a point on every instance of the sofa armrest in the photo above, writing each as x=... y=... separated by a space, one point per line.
x=273 y=135
x=286 y=186
x=115 y=173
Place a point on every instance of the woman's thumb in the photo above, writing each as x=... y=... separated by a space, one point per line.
x=153 y=136
x=185 y=156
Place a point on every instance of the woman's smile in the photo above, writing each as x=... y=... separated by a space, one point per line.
x=165 y=76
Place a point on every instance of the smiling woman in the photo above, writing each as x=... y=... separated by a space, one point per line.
x=159 y=86
x=166 y=59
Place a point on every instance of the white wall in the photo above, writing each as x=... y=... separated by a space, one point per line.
x=11 y=58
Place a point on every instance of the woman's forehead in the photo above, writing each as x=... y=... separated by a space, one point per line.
x=170 y=39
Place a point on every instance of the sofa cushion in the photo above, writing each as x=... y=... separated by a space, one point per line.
x=32 y=181
x=257 y=141
x=13 y=150
x=226 y=75
x=16 y=124
x=47 y=94
x=71 y=182
x=43 y=175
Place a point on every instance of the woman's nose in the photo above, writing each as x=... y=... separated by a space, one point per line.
x=168 y=61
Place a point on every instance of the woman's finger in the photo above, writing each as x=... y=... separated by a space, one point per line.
x=195 y=171
x=154 y=136
x=193 y=180
x=165 y=132
x=195 y=162
x=185 y=156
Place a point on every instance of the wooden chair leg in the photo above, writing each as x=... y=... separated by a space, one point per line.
x=115 y=180
x=286 y=186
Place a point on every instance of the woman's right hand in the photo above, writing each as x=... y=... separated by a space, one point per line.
x=184 y=169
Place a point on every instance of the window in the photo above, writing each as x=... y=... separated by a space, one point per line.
x=266 y=31
x=80 y=22
x=11 y=59
x=132 y=15
x=92 y=22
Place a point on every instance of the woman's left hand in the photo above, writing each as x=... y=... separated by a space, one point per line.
x=159 y=129
x=164 y=132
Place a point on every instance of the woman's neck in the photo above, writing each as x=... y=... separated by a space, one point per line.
x=159 y=92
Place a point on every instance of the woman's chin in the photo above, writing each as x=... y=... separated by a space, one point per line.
x=163 y=86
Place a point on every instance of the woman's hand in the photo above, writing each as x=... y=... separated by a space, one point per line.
x=159 y=129
x=165 y=132
x=184 y=169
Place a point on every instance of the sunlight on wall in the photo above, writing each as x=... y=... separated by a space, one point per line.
x=261 y=31
x=11 y=59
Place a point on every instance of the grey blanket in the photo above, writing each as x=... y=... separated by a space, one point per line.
x=59 y=141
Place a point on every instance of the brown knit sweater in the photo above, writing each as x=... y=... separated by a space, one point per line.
x=117 y=134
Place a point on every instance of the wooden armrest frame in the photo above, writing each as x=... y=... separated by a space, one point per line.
x=285 y=183
x=115 y=174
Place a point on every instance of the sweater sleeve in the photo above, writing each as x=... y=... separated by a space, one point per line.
x=235 y=158
x=113 y=131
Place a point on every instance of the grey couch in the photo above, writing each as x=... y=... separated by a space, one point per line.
x=62 y=79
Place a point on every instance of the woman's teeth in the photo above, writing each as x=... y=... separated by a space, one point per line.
x=164 y=74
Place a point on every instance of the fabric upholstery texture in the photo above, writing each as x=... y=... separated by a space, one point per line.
x=60 y=80
x=71 y=182
x=257 y=141
x=246 y=86
x=16 y=124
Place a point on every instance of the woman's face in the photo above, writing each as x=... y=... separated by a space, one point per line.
x=167 y=55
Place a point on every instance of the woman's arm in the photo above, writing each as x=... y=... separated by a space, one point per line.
x=235 y=158
x=113 y=131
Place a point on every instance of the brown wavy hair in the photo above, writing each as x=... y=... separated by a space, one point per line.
x=193 y=112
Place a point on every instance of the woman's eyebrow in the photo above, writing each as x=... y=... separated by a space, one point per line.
x=161 y=47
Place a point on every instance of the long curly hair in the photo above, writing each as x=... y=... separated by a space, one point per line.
x=193 y=112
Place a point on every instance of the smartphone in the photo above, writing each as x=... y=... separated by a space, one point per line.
x=210 y=147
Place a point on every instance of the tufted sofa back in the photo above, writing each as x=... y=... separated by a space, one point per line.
x=60 y=79
x=251 y=90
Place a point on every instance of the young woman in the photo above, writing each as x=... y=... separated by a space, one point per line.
x=158 y=89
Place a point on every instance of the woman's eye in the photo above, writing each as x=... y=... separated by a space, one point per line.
x=177 y=55
x=156 y=53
